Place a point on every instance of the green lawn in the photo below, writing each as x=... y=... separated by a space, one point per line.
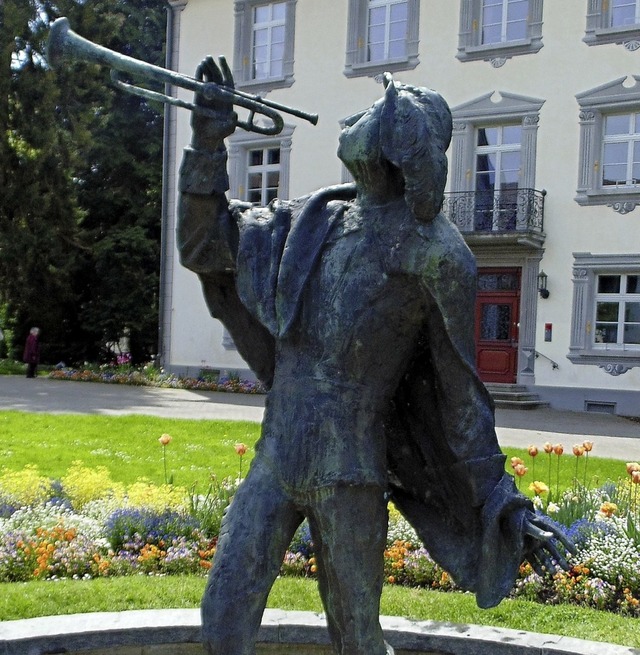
x=128 y=447
x=118 y=594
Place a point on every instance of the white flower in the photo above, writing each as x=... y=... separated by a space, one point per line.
x=552 y=508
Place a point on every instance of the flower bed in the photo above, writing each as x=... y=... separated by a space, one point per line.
x=153 y=377
x=85 y=526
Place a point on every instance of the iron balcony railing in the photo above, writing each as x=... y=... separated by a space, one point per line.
x=513 y=210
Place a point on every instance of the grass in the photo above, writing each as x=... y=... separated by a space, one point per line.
x=128 y=447
x=33 y=599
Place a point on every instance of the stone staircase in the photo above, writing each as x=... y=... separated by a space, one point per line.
x=514 y=396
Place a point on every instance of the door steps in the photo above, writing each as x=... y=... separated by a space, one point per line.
x=514 y=396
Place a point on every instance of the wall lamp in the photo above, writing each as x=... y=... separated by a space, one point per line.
x=542 y=284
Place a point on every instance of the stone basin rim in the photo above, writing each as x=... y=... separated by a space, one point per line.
x=78 y=633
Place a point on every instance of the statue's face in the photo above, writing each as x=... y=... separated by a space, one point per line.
x=359 y=141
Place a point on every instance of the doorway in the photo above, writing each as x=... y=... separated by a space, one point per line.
x=497 y=323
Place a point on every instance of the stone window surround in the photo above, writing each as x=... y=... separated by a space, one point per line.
x=594 y=105
x=239 y=144
x=486 y=111
x=613 y=359
x=356 y=64
x=598 y=32
x=243 y=19
x=470 y=48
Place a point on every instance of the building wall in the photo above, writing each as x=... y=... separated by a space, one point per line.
x=564 y=67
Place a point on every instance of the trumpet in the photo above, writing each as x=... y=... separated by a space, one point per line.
x=65 y=44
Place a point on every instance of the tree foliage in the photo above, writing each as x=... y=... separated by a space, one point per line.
x=81 y=174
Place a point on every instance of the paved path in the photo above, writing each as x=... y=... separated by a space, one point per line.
x=613 y=436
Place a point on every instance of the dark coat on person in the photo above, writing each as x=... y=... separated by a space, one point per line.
x=31 y=353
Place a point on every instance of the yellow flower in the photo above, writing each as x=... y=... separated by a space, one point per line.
x=165 y=439
x=608 y=509
x=538 y=487
x=241 y=449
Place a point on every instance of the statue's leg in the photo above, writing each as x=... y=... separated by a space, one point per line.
x=254 y=536
x=349 y=531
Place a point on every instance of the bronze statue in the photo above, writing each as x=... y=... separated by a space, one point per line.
x=354 y=306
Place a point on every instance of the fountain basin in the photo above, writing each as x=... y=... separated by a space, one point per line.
x=177 y=632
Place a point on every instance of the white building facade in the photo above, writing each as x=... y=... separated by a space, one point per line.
x=544 y=164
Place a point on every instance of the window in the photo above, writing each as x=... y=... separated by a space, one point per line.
x=621 y=150
x=493 y=161
x=613 y=21
x=263 y=175
x=609 y=171
x=267 y=51
x=623 y=13
x=503 y=21
x=617 y=319
x=497 y=172
x=259 y=166
x=387 y=30
x=495 y=30
x=264 y=39
x=382 y=36
x=605 y=326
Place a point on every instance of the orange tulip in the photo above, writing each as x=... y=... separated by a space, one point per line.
x=632 y=466
x=516 y=461
x=558 y=449
x=635 y=477
x=520 y=470
x=241 y=449
x=578 y=450
x=165 y=439
x=588 y=446
x=533 y=451
x=548 y=448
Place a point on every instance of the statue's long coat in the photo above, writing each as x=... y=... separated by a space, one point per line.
x=446 y=470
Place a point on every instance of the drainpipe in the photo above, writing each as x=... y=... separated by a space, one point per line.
x=167 y=238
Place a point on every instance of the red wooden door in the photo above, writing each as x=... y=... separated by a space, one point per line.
x=497 y=316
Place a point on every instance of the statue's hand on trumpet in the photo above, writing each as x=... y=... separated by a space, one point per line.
x=210 y=129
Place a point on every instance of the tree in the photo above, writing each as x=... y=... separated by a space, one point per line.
x=84 y=165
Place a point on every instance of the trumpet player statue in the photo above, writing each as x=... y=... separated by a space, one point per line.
x=354 y=307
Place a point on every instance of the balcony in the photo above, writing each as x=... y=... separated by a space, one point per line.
x=512 y=216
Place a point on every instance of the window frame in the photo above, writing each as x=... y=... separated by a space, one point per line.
x=239 y=146
x=598 y=30
x=614 y=359
x=357 y=63
x=243 y=47
x=470 y=47
x=611 y=98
